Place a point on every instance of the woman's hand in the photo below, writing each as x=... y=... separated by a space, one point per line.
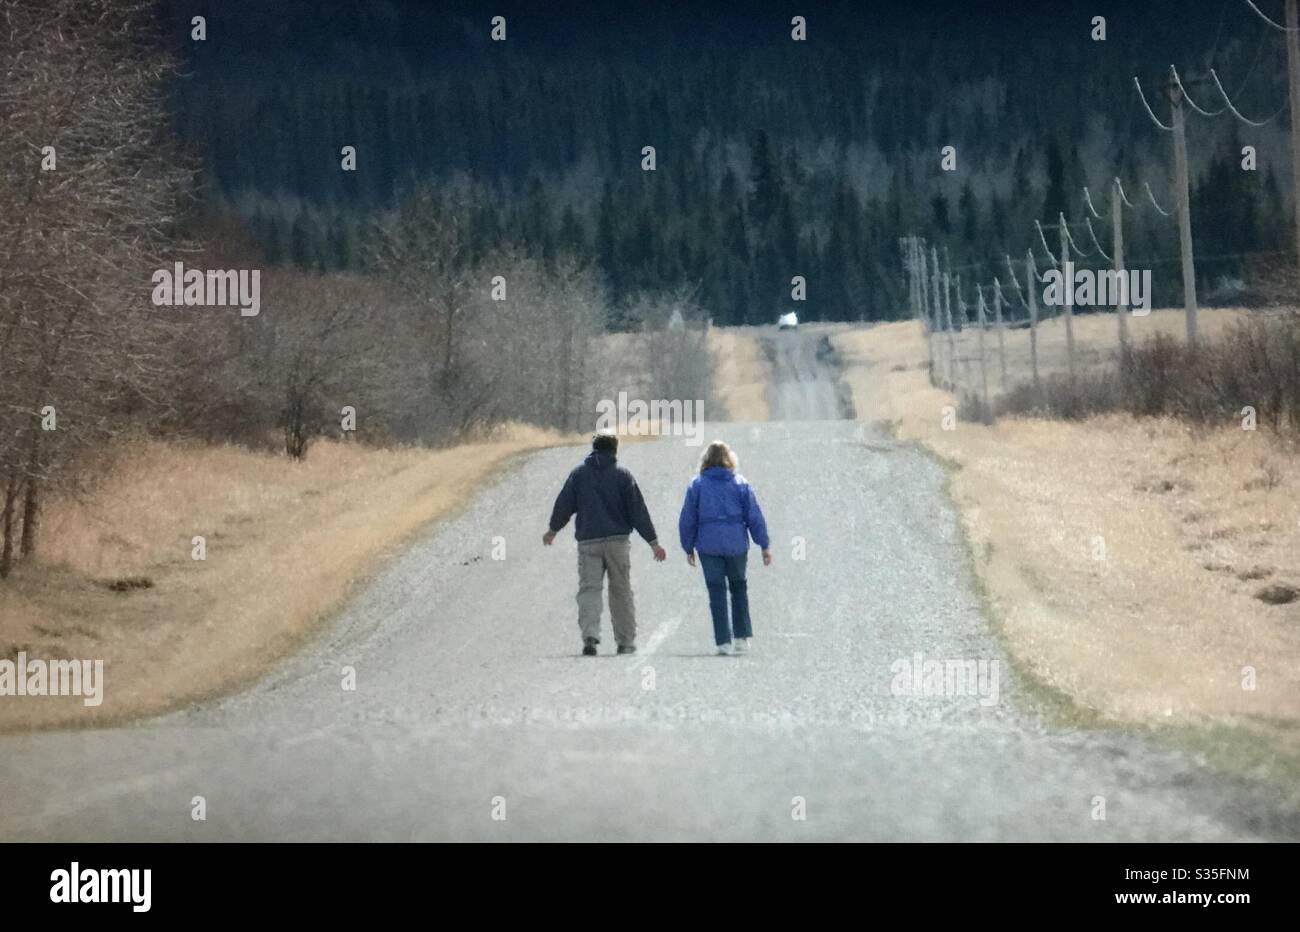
x=690 y=558
x=767 y=558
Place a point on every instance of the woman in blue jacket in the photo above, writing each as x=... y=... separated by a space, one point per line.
x=719 y=516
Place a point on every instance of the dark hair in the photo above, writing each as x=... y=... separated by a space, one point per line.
x=605 y=442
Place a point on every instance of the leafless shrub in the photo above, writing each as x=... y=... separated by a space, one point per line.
x=973 y=409
x=1255 y=364
x=672 y=341
x=1088 y=393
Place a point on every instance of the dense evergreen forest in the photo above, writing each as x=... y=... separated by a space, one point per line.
x=773 y=157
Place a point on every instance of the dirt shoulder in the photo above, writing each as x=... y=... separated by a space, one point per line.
x=1124 y=560
x=285 y=543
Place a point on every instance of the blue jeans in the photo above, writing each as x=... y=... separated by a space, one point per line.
x=720 y=574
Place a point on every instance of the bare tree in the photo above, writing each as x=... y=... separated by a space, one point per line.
x=531 y=344
x=421 y=247
x=86 y=211
x=674 y=337
x=316 y=353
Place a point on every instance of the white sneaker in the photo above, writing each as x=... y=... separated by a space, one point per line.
x=724 y=650
x=740 y=646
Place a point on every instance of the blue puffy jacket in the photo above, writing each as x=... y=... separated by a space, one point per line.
x=720 y=514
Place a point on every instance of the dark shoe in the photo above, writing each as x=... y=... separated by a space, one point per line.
x=627 y=648
x=589 y=647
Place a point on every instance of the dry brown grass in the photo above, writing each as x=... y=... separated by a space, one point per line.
x=285 y=543
x=739 y=378
x=1194 y=523
x=742 y=373
x=1096 y=343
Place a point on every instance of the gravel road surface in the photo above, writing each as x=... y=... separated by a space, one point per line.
x=474 y=717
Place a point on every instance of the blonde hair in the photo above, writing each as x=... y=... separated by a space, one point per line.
x=718 y=454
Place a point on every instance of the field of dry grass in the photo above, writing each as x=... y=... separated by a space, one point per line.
x=738 y=380
x=285 y=543
x=1133 y=565
x=741 y=376
x=1096 y=339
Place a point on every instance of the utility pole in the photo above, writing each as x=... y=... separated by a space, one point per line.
x=997 y=318
x=952 y=345
x=1293 y=79
x=1117 y=228
x=1184 y=205
x=984 y=372
x=912 y=267
x=1067 y=286
x=936 y=281
x=922 y=291
x=909 y=267
x=923 y=273
x=1031 y=285
x=965 y=327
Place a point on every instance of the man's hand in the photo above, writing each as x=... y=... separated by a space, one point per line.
x=660 y=554
x=690 y=558
x=767 y=558
x=548 y=538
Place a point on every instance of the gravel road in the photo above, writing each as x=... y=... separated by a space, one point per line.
x=804 y=386
x=474 y=717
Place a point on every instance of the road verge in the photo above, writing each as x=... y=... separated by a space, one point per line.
x=1122 y=559
x=283 y=544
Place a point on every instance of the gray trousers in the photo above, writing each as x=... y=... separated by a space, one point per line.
x=612 y=555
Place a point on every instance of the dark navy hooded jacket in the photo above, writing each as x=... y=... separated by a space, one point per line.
x=606 y=500
x=720 y=514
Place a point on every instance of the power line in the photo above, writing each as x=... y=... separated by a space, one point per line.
x=1087 y=199
x=1235 y=111
x=1065 y=228
x=1016 y=282
x=1046 y=248
x=1260 y=13
x=1188 y=97
x=1120 y=198
x=1095 y=241
x=1012 y=269
x=1124 y=197
x=1151 y=113
x=1254 y=65
x=1152 y=198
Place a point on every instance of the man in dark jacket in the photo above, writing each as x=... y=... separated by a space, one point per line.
x=609 y=507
